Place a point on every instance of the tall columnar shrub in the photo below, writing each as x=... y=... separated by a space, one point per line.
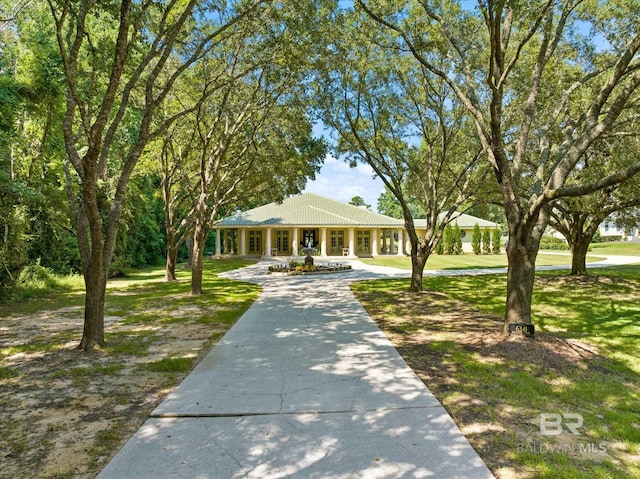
x=486 y=241
x=448 y=239
x=476 y=238
x=495 y=240
x=457 y=240
x=440 y=246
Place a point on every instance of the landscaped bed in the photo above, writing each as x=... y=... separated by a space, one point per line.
x=294 y=267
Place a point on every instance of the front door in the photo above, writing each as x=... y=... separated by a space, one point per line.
x=363 y=242
x=309 y=238
x=282 y=242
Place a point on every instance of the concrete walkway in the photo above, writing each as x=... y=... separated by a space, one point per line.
x=304 y=385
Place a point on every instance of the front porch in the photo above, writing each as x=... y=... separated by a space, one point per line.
x=324 y=242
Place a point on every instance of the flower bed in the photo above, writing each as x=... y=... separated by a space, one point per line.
x=295 y=267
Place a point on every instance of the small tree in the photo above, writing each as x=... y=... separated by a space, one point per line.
x=486 y=241
x=440 y=246
x=457 y=240
x=476 y=238
x=495 y=240
x=448 y=239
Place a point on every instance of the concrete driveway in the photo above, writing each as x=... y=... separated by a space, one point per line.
x=304 y=385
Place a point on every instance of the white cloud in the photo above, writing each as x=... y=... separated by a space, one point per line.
x=339 y=181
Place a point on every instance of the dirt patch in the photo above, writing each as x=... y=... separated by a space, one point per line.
x=64 y=412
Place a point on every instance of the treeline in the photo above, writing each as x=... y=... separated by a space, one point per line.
x=127 y=129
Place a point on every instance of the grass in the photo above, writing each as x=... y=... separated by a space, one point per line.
x=496 y=389
x=619 y=248
x=470 y=261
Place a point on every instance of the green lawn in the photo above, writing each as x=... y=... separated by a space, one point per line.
x=622 y=248
x=499 y=397
x=470 y=261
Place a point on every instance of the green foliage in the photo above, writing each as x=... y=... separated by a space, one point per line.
x=388 y=205
x=486 y=241
x=440 y=246
x=597 y=237
x=457 y=239
x=553 y=243
x=476 y=239
x=448 y=239
x=496 y=239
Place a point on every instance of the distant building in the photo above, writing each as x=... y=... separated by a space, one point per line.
x=329 y=227
x=609 y=228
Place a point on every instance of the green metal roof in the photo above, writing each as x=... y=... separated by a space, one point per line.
x=310 y=209
x=464 y=221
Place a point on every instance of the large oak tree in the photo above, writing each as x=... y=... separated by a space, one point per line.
x=543 y=82
x=121 y=59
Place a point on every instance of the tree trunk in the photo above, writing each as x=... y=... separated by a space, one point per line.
x=197 y=261
x=172 y=259
x=579 y=250
x=520 y=278
x=418 y=260
x=95 y=291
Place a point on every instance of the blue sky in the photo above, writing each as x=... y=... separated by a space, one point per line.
x=339 y=181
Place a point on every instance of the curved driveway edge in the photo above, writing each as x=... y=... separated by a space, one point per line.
x=304 y=385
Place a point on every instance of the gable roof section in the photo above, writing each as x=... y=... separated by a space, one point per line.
x=309 y=209
x=464 y=221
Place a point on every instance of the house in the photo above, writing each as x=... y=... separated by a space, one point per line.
x=610 y=230
x=327 y=226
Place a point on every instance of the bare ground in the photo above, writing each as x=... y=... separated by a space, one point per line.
x=64 y=413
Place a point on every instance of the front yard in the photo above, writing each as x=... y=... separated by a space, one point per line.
x=507 y=396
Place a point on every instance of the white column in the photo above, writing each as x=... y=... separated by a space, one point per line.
x=295 y=242
x=352 y=242
x=375 y=236
x=323 y=242
x=243 y=242
x=218 y=250
x=400 y=243
x=384 y=241
x=267 y=243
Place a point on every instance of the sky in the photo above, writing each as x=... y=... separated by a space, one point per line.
x=337 y=180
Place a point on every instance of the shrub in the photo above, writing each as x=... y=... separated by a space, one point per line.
x=37 y=277
x=552 y=243
x=457 y=240
x=448 y=239
x=476 y=238
x=496 y=236
x=486 y=241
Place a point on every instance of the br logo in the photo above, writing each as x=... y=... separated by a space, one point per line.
x=552 y=424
